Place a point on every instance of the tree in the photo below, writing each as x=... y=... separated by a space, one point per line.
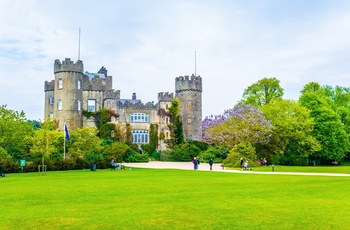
x=243 y=123
x=115 y=151
x=329 y=130
x=15 y=132
x=84 y=142
x=292 y=140
x=175 y=125
x=262 y=92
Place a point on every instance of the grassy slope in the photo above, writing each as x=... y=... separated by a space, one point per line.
x=172 y=199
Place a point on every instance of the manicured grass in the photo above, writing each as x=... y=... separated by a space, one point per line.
x=307 y=169
x=172 y=199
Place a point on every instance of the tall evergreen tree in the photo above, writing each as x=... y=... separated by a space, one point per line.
x=175 y=125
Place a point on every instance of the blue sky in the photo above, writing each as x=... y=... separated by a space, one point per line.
x=146 y=44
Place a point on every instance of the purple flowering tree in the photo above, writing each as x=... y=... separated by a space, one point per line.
x=234 y=126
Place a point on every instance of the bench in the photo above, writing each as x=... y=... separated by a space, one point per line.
x=118 y=166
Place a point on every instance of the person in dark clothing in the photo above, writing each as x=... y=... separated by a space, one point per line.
x=211 y=163
x=2 y=174
x=241 y=162
x=195 y=163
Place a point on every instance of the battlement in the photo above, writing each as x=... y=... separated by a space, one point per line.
x=165 y=96
x=188 y=84
x=111 y=94
x=49 y=85
x=137 y=106
x=97 y=83
x=68 y=66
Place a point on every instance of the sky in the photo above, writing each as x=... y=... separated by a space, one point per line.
x=145 y=45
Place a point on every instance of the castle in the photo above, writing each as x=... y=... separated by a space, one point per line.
x=74 y=91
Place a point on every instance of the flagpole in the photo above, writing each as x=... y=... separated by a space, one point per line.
x=64 y=142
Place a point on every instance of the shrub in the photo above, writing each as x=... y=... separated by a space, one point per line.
x=81 y=163
x=137 y=157
x=165 y=155
x=243 y=150
x=66 y=164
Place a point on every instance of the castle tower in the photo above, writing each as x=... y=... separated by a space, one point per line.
x=164 y=102
x=189 y=92
x=68 y=93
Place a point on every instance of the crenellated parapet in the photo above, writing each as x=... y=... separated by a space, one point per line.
x=137 y=106
x=68 y=66
x=111 y=94
x=49 y=85
x=185 y=83
x=167 y=97
x=97 y=83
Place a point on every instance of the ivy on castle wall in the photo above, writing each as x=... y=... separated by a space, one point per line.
x=175 y=126
x=101 y=117
x=153 y=140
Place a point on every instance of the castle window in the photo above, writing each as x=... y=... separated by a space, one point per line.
x=139 y=136
x=189 y=120
x=167 y=135
x=51 y=100
x=59 y=104
x=167 y=120
x=92 y=105
x=79 y=105
x=139 y=117
x=51 y=116
x=60 y=83
x=189 y=103
x=79 y=84
x=166 y=106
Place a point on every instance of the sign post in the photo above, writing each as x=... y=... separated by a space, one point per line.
x=22 y=163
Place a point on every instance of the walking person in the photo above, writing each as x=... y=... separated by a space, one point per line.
x=211 y=163
x=195 y=163
x=241 y=163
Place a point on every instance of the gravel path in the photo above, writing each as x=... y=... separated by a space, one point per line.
x=217 y=168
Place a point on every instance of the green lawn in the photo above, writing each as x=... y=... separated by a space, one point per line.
x=307 y=169
x=172 y=199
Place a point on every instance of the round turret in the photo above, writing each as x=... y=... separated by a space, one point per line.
x=189 y=92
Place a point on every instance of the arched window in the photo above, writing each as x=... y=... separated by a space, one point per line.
x=59 y=104
x=60 y=83
x=79 y=84
x=79 y=105
x=51 y=116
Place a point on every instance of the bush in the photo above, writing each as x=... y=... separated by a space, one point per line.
x=165 y=155
x=243 y=150
x=10 y=166
x=137 y=157
x=185 y=152
x=216 y=152
x=66 y=164
x=81 y=163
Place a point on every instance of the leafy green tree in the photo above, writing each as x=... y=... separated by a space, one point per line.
x=292 y=134
x=175 y=125
x=115 y=151
x=46 y=142
x=15 y=132
x=329 y=130
x=84 y=142
x=262 y=92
